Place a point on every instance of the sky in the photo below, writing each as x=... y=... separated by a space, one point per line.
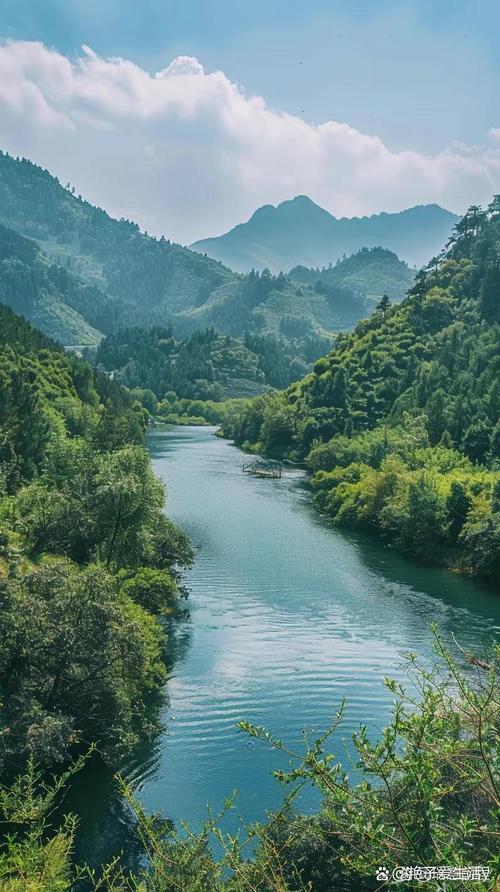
x=186 y=116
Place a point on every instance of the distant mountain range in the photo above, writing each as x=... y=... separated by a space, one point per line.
x=300 y=232
x=77 y=274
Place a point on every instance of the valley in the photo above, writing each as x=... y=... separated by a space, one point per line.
x=195 y=628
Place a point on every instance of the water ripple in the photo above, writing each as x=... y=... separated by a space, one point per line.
x=288 y=616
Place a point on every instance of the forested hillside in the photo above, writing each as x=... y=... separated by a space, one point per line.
x=88 y=561
x=400 y=422
x=369 y=274
x=206 y=365
x=52 y=298
x=95 y=273
x=309 y=300
x=146 y=273
x=155 y=281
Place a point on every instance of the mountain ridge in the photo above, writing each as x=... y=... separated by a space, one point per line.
x=90 y=269
x=300 y=232
x=400 y=421
x=54 y=300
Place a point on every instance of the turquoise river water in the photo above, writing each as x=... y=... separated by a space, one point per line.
x=287 y=616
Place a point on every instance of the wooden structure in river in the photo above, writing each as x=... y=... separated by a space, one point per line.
x=261 y=467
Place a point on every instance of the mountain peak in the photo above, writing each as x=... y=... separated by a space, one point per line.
x=299 y=201
x=300 y=232
x=302 y=206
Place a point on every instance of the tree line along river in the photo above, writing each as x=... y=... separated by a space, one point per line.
x=287 y=616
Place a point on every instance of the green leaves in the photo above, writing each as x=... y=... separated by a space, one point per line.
x=76 y=662
x=428 y=795
x=402 y=415
x=259 y=733
x=80 y=648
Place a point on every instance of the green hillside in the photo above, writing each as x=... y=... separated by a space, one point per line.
x=150 y=275
x=327 y=300
x=77 y=313
x=205 y=365
x=45 y=393
x=264 y=303
x=97 y=273
x=400 y=422
x=369 y=273
x=53 y=299
x=88 y=559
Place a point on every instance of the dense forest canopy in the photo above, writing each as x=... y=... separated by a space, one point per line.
x=54 y=300
x=330 y=299
x=206 y=365
x=369 y=274
x=400 y=422
x=88 y=560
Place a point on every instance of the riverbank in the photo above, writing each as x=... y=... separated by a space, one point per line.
x=334 y=496
x=287 y=614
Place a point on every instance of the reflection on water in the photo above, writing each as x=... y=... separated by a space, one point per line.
x=287 y=617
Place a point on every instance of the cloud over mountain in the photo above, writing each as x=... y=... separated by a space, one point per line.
x=189 y=153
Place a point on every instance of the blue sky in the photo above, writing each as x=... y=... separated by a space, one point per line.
x=422 y=77
x=417 y=73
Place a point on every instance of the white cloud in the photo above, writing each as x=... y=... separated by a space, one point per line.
x=189 y=154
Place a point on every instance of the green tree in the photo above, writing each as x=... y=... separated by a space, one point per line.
x=481 y=541
x=495 y=442
x=490 y=293
x=155 y=590
x=383 y=304
x=476 y=440
x=436 y=415
x=421 y=524
x=458 y=505
x=76 y=661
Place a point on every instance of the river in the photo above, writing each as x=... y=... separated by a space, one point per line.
x=287 y=616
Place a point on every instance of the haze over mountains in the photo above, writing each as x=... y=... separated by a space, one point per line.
x=77 y=273
x=300 y=232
